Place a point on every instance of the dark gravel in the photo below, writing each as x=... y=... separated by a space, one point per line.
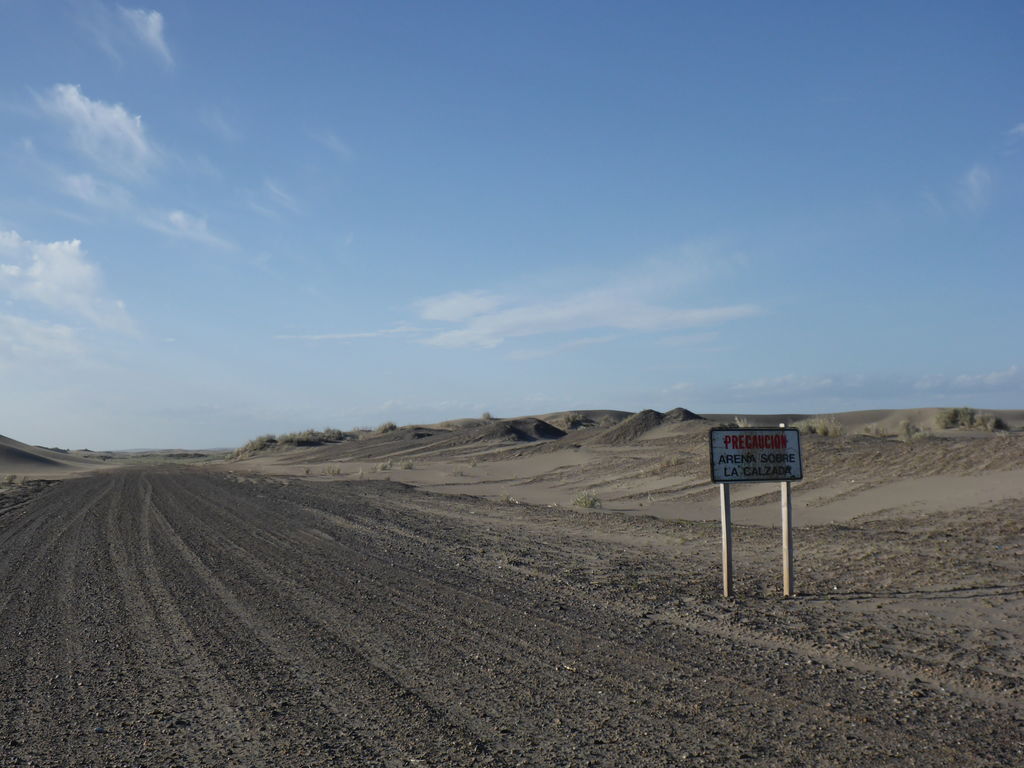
x=182 y=617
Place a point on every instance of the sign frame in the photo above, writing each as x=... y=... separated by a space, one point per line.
x=771 y=442
x=787 y=433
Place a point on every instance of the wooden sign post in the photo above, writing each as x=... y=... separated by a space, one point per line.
x=756 y=455
x=787 y=540
x=726 y=542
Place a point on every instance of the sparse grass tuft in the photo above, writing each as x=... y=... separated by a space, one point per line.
x=827 y=426
x=406 y=464
x=742 y=422
x=587 y=500
x=668 y=463
x=384 y=466
x=507 y=499
x=9 y=480
x=387 y=426
x=486 y=416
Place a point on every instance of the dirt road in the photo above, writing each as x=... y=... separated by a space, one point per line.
x=194 y=618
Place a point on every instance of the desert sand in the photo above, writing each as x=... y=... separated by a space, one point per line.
x=431 y=595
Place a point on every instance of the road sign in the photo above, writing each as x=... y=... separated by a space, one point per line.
x=755 y=455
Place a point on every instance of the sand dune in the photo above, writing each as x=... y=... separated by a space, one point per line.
x=655 y=463
x=33 y=461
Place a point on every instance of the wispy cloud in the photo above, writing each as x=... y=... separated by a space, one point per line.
x=115 y=28
x=401 y=330
x=641 y=302
x=271 y=200
x=336 y=145
x=689 y=339
x=975 y=186
x=280 y=197
x=88 y=189
x=790 y=383
x=1017 y=131
x=458 y=306
x=216 y=122
x=148 y=28
x=181 y=224
x=1008 y=378
x=589 y=341
x=485 y=322
x=59 y=276
x=107 y=134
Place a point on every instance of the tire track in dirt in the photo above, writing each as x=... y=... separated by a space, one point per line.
x=801 y=708
x=195 y=620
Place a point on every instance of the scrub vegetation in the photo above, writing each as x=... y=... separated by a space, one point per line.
x=307 y=438
x=827 y=426
x=968 y=418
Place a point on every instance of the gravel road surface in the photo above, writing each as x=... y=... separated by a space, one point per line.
x=185 y=617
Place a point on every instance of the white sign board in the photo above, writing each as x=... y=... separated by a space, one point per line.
x=755 y=455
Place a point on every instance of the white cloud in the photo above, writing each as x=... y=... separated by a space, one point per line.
x=975 y=186
x=21 y=338
x=625 y=307
x=181 y=224
x=1017 y=130
x=148 y=27
x=89 y=190
x=458 y=306
x=107 y=134
x=58 y=276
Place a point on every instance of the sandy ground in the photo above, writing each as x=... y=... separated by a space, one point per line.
x=431 y=596
x=197 y=617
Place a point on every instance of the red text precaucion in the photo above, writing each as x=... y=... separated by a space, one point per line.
x=752 y=442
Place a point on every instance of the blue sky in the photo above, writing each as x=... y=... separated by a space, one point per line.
x=224 y=219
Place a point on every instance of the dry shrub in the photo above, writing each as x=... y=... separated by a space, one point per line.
x=990 y=423
x=948 y=418
x=907 y=430
x=587 y=500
